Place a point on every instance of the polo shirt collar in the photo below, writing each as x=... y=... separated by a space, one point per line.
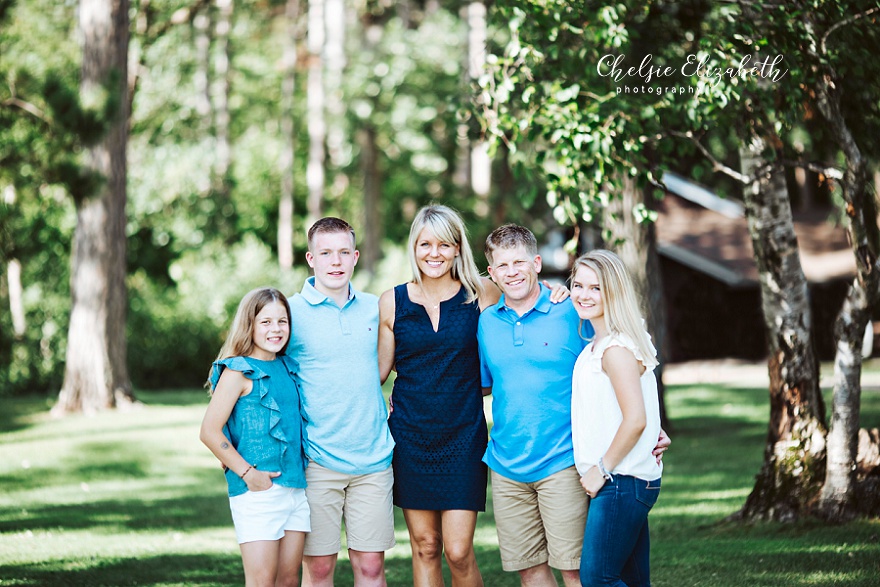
x=543 y=304
x=314 y=297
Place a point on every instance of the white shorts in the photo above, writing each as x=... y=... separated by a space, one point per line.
x=266 y=515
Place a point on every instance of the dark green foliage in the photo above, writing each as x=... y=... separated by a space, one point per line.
x=168 y=343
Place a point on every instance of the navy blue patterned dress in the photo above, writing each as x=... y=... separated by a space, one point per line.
x=438 y=423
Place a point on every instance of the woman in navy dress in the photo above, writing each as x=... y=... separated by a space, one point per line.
x=428 y=334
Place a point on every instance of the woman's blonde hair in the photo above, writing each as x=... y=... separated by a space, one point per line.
x=445 y=224
x=622 y=315
x=240 y=339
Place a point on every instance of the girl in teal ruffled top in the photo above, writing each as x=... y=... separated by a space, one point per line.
x=253 y=425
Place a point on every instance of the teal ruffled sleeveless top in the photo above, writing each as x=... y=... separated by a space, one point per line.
x=266 y=426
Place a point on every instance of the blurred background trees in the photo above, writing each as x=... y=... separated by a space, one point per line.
x=247 y=119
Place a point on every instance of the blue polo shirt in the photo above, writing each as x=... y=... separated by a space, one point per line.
x=336 y=351
x=528 y=362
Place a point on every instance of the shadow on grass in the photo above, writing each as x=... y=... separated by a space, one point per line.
x=93 y=461
x=187 y=512
x=189 y=569
x=804 y=553
x=16 y=414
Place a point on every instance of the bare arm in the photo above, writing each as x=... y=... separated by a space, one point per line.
x=386 y=334
x=624 y=371
x=490 y=294
x=232 y=385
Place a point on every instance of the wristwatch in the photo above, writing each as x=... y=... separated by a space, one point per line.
x=604 y=471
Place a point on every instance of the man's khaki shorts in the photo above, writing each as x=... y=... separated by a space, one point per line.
x=364 y=501
x=540 y=522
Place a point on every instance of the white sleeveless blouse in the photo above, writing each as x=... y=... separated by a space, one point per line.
x=596 y=415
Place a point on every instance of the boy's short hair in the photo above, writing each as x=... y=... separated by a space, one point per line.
x=330 y=224
x=510 y=236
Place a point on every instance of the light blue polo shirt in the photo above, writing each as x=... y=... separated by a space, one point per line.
x=528 y=362
x=336 y=351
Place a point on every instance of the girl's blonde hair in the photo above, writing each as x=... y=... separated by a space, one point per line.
x=622 y=315
x=445 y=224
x=240 y=339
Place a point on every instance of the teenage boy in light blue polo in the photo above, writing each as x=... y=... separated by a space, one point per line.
x=334 y=340
x=528 y=348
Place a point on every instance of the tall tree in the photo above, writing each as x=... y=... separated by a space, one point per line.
x=288 y=136
x=335 y=17
x=201 y=25
x=480 y=164
x=96 y=372
x=794 y=449
x=636 y=242
x=317 y=122
x=13 y=278
x=222 y=76
x=838 y=498
x=371 y=31
x=798 y=461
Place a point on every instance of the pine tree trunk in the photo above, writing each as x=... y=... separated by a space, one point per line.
x=96 y=374
x=794 y=454
x=13 y=278
x=636 y=243
x=317 y=125
x=223 y=150
x=202 y=76
x=16 y=306
x=288 y=136
x=480 y=163
x=334 y=50
x=371 y=250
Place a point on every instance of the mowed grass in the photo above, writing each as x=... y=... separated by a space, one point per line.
x=135 y=499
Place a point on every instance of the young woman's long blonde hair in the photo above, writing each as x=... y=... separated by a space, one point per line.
x=622 y=315
x=445 y=224
x=240 y=339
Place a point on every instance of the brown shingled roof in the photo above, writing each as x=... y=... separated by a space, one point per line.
x=719 y=244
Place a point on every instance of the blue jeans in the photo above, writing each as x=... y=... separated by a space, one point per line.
x=617 y=547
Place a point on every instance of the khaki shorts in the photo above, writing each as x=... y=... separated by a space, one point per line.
x=540 y=522
x=364 y=501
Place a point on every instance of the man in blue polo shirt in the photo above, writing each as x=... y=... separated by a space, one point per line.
x=333 y=338
x=528 y=347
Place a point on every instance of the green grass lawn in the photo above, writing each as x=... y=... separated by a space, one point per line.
x=135 y=499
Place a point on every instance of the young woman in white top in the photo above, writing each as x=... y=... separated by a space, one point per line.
x=615 y=424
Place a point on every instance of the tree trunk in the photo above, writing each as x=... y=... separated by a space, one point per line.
x=315 y=104
x=96 y=374
x=636 y=243
x=480 y=162
x=794 y=454
x=201 y=25
x=838 y=499
x=13 y=278
x=288 y=135
x=371 y=251
x=223 y=152
x=334 y=50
